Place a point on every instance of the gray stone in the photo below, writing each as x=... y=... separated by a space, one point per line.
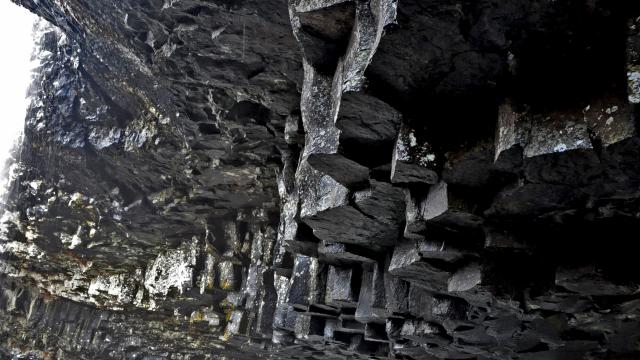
x=165 y=138
x=307 y=283
x=443 y=207
x=350 y=325
x=370 y=305
x=466 y=279
x=376 y=333
x=396 y=292
x=366 y=122
x=424 y=332
x=589 y=280
x=608 y=118
x=348 y=225
x=373 y=221
x=342 y=289
x=382 y=202
x=346 y=172
x=310 y=328
x=414 y=161
x=336 y=253
x=408 y=264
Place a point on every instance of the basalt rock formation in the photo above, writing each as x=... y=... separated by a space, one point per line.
x=327 y=179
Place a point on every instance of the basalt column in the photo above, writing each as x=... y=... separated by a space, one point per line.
x=329 y=201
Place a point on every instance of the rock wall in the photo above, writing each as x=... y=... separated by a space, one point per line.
x=327 y=179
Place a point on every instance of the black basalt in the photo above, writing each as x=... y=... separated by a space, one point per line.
x=327 y=179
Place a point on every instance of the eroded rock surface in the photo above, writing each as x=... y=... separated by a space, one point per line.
x=327 y=179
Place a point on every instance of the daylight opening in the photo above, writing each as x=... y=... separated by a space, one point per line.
x=16 y=37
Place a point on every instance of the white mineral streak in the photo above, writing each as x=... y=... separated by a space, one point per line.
x=609 y=119
x=540 y=134
x=547 y=137
x=138 y=133
x=102 y=138
x=168 y=272
x=206 y=315
x=172 y=270
x=19 y=248
x=633 y=79
x=118 y=287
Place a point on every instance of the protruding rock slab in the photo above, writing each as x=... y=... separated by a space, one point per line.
x=323 y=193
x=605 y=121
x=408 y=264
x=441 y=207
x=611 y=120
x=374 y=219
x=348 y=225
x=468 y=278
x=368 y=128
x=474 y=282
x=382 y=202
x=347 y=172
x=337 y=253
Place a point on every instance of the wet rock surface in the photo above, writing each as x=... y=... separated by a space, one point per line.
x=326 y=179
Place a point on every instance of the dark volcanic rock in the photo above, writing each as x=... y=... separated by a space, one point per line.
x=326 y=179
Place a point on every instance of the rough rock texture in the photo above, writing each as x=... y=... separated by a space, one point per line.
x=327 y=179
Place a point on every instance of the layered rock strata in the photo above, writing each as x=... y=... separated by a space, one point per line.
x=332 y=179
